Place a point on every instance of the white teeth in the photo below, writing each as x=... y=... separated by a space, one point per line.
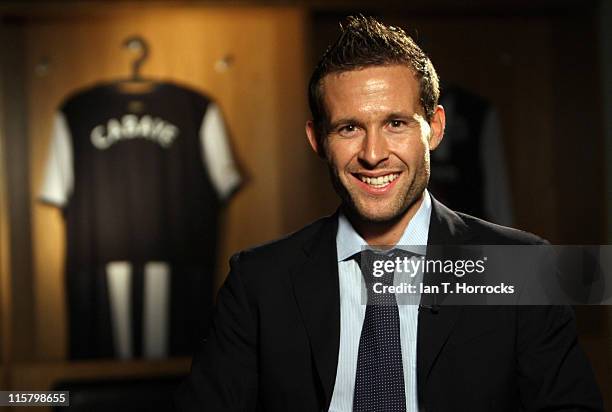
x=380 y=181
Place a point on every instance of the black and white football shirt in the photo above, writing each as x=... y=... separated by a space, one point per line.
x=140 y=179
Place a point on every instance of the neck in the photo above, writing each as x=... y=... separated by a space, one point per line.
x=385 y=233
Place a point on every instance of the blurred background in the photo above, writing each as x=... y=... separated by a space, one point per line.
x=528 y=89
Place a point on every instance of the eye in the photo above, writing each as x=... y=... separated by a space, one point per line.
x=397 y=126
x=349 y=130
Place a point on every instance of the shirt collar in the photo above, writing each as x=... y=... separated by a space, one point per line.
x=349 y=242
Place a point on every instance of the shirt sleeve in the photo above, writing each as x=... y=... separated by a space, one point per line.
x=216 y=153
x=58 y=180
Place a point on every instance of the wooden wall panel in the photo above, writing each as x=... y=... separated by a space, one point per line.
x=605 y=53
x=257 y=94
x=16 y=198
x=579 y=148
x=5 y=263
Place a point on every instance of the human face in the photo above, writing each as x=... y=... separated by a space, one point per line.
x=378 y=142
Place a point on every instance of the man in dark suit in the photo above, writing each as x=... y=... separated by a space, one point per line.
x=290 y=332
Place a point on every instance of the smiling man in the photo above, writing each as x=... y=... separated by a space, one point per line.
x=291 y=330
x=376 y=136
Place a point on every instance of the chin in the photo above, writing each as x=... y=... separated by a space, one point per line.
x=388 y=211
x=375 y=214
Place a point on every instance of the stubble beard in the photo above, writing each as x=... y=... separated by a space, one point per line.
x=400 y=205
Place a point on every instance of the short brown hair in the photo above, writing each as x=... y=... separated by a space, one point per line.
x=365 y=42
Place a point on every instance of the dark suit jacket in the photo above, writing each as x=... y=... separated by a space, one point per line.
x=274 y=340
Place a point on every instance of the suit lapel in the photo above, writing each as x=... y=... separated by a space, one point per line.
x=435 y=325
x=317 y=292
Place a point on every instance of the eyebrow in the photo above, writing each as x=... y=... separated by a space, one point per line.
x=401 y=115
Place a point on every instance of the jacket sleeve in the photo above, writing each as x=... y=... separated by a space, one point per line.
x=554 y=373
x=223 y=374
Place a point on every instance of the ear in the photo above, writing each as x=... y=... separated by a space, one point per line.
x=437 y=124
x=312 y=139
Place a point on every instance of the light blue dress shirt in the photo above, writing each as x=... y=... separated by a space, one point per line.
x=353 y=307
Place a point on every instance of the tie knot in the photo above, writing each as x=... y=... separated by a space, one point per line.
x=379 y=269
x=377 y=263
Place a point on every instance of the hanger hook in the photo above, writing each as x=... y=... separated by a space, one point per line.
x=137 y=43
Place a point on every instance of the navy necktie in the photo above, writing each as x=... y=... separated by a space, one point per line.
x=379 y=383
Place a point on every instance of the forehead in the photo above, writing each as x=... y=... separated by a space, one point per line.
x=371 y=91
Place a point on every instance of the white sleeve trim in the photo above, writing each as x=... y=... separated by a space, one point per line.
x=58 y=181
x=216 y=153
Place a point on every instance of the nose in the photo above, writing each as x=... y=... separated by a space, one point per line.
x=374 y=149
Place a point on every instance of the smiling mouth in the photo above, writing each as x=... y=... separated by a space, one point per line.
x=377 y=182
